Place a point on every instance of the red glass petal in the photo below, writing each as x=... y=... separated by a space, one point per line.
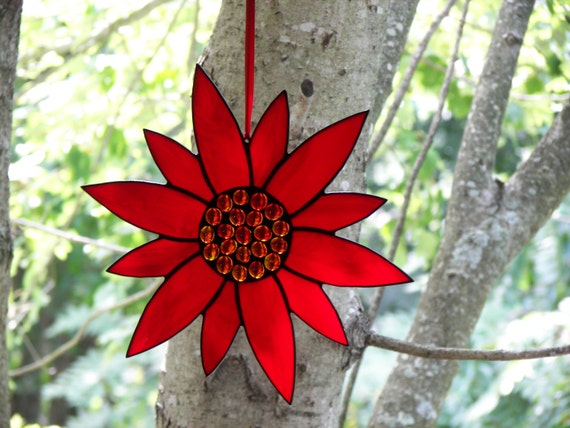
x=337 y=261
x=313 y=165
x=151 y=206
x=310 y=303
x=155 y=258
x=269 y=142
x=177 y=302
x=269 y=331
x=178 y=164
x=337 y=210
x=218 y=137
x=219 y=327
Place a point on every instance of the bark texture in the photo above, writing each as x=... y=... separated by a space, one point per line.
x=10 y=13
x=298 y=44
x=487 y=224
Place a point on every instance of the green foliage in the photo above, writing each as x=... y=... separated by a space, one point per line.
x=86 y=87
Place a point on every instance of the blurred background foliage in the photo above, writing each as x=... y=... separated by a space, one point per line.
x=92 y=74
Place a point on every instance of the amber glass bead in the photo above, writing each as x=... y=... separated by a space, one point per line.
x=237 y=216
x=243 y=235
x=225 y=231
x=207 y=234
x=258 y=249
x=254 y=218
x=258 y=201
x=229 y=246
x=280 y=228
x=239 y=273
x=224 y=202
x=273 y=211
x=211 y=252
x=243 y=254
x=262 y=233
x=240 y=197
x=272 y=262
x=256 y=270
x=213 y=216
x=224 y=264
x=278 y=245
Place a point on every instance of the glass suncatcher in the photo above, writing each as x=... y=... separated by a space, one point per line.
x=246 y=232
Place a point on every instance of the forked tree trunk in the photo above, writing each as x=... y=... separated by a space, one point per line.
x=337 y=46
x=487 y=224
x=10 y=13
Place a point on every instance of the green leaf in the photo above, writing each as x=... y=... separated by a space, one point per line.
x=534 y=84
x=107 y=78
x=117 y=143
x=459 y=101
x=79 y=163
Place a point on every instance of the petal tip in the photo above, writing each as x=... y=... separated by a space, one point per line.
x=132 y=351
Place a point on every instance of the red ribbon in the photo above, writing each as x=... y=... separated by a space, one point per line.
x=249 y=63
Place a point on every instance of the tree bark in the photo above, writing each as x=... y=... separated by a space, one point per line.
x=296 y=42
x=10 y=14
x=487 y=224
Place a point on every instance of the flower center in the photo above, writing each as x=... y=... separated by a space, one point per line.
x=245 y=233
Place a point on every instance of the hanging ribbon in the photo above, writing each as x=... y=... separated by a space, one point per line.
x=249 y=64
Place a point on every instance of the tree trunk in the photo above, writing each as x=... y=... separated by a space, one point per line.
x=487 y=224
x=10 y=13
x=296 y=42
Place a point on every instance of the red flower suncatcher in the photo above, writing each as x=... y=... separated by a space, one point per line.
x=246 y=234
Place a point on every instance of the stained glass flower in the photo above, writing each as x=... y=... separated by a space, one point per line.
x=246 y=234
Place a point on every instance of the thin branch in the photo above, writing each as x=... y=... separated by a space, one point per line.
x=47 y=359
x=138 y=76
x=422 y=155
x=72 y=49
x=193 y=50
x=435 y=352
x=351 y=380
x=67 y=51
x=70 y=236
x=404 y=85
x=514 y=95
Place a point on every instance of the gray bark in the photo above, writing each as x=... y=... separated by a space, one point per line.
x=296 y=41
x=487 y=224
x=10 y=13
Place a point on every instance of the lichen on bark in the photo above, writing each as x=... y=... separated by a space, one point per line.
x=10 y=15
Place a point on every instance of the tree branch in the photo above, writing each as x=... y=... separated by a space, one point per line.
x=56 y=353
x=463 y=354
x=351 y=380
x=473 y=251
x=560 y=98
x=476 y=158
x=423 y=153
x=70 y=236
x=69 y=50
x=378 y=138
x=398 y=20
x=540 y=184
